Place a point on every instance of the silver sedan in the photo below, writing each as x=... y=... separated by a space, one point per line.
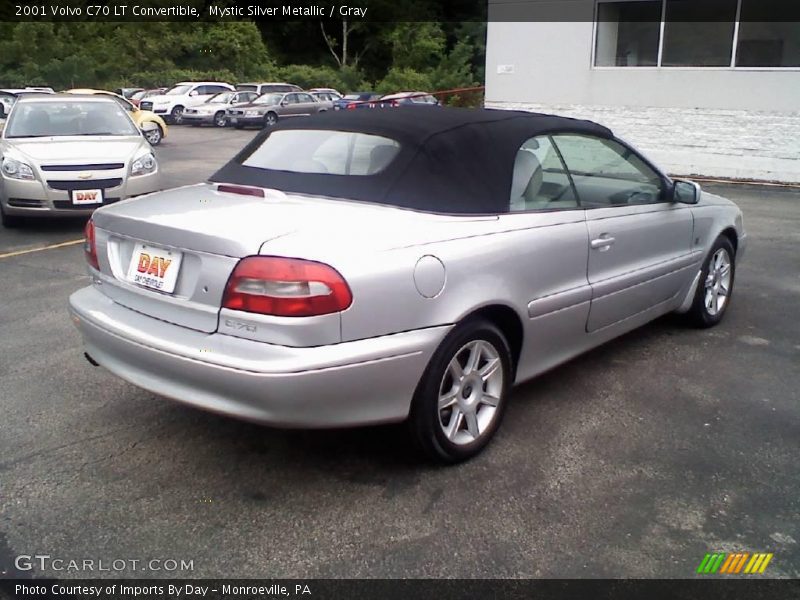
x=375 y=266
x=66 y=155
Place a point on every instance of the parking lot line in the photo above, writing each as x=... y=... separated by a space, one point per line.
x=50 y=247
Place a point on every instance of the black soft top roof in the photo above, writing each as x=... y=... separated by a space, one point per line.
x=452 y=160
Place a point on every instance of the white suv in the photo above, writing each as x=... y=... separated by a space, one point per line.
x=170 y=105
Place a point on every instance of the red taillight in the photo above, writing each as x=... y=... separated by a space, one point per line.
x=286 y=287
x=351 y=105
x=89 y=248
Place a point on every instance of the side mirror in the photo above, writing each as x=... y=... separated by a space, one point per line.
x=284 y=103
x=685 y=192
x=193 y=93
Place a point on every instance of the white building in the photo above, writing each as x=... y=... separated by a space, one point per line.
x=713 y=98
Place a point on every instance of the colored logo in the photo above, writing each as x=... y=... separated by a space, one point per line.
x=734 y=563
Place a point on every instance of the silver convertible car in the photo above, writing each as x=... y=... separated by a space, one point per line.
x=365 y=267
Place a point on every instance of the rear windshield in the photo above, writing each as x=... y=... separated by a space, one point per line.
x=222 y=98
x=324 y=151
x=69 y=118
x=268 y=99
x=243 y=87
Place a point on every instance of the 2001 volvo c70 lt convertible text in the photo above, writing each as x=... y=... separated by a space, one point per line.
x=373 y=266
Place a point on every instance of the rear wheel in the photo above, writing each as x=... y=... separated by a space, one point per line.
x=154 y=136
x=714 y=291
x=459 y=402
x=219 y=119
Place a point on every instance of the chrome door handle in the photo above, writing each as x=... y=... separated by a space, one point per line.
x=602 y=242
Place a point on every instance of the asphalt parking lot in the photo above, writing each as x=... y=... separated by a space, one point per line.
x=631 y=461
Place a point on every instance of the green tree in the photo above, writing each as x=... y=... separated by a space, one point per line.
x=418 y=46
x=404 y=79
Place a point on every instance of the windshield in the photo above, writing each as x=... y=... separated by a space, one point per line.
x=69 y=118
x=268 y=99
x=179 y=90
x=222 y=98
x=324 y=151
x=139 y=95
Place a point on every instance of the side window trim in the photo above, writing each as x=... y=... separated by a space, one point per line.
x=566 y=170
x=565 y=173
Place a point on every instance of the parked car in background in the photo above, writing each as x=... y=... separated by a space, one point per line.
x=128 y=92
x=356 y=100
x=409 y=99
x=265 y=88
x=213 y=110
x=267 y=109
x=141 y=95
x=376 y=266
x=65 y=155
x=325 y=93
x=153 y=126
x=9 y=96
x=172 y=103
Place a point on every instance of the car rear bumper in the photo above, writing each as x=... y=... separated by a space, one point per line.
x=352 y=383
x=35 y=198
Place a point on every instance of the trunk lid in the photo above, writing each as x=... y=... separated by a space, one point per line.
x=208 y=230
x=212 y=230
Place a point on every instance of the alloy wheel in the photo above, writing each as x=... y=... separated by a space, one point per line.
x=718 y=282
x=154 y=136
x=470 y=392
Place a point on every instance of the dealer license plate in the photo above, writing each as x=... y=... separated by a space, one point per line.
x=154 y=267
x=80 y=197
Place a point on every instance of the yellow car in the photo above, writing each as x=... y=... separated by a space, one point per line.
x=153 y=126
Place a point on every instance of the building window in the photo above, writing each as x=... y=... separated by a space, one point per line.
x=697 y=33
x=764 y=41
x=627 y=34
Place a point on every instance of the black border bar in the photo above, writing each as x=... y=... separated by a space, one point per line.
x=376 y=10
x=405 y=589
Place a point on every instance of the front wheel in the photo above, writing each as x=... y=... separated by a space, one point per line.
x=459 y=402
x=270 y=119
x=177 y=115
x=219 y=119
x=715 y=289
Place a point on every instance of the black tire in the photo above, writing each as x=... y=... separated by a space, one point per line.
x=176 y=116
x=702 y=313
x=220 y=120
x=425 y=420
x=9 y=221
x=270 y=119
